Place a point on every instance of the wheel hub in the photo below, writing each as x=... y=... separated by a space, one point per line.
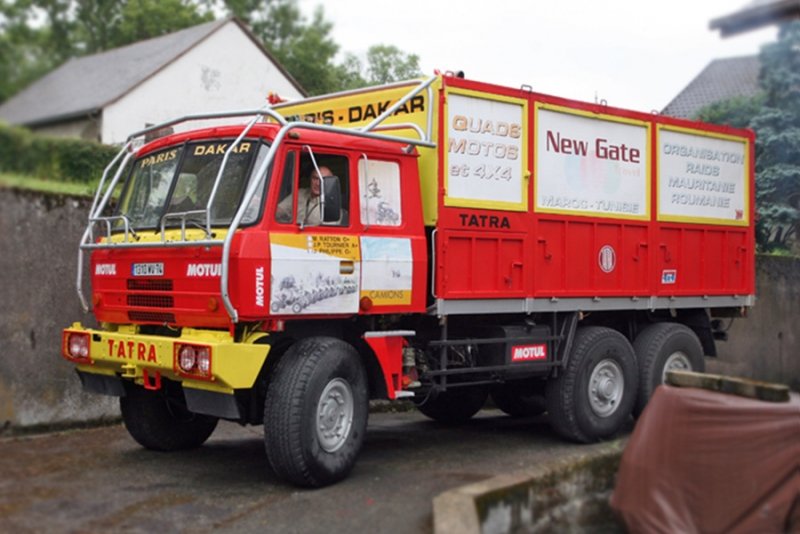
x=606 y=386
x=334 y=415
x=677 y=361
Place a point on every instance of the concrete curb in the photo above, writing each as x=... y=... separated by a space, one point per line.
x=568 y=494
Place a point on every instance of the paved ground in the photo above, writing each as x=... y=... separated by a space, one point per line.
x=99 y=480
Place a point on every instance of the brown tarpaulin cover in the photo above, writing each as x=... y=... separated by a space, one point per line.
x=702 y=461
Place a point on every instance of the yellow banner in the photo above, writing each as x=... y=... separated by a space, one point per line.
x=338 y=246
x=388 y=297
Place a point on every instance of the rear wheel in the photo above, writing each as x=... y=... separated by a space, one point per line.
x=519 y=399
x=664 y=347
x=594 y=394
x=162 y=423
x=456 y=405
x=315 y=413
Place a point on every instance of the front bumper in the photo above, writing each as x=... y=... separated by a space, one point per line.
x=146 y=359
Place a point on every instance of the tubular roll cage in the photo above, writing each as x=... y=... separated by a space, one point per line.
x=106 y=188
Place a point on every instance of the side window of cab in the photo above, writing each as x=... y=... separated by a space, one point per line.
x=380 y=198
x=301 y=193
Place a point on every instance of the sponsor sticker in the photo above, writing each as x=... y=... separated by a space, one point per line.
x=607 y=259
x=669 y=276
x=203 y=269
x=105 y=269
x=147 y=269
x=260 y=287
x=529 y=353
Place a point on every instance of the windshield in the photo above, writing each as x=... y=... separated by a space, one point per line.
x=181 y=179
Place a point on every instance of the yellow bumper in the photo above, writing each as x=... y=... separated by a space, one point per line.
x=131 y=355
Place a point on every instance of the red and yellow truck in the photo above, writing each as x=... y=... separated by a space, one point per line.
x=439 y=240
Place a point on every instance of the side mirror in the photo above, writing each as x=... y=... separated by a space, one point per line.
x=331 y=200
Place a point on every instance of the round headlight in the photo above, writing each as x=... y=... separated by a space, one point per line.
x=203 y=360
x=78 y=346
x=186 y=358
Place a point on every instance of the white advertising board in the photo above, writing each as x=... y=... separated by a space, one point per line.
x=595 y=165
x=486 y=156
x=702 y=178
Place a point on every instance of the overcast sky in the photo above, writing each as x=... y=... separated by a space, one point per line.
x=635 y=54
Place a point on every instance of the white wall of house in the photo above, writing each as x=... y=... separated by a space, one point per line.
x=226 y=71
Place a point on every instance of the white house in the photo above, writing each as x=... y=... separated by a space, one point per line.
x=217 y=66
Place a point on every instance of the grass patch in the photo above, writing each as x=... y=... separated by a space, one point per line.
x=47 y=186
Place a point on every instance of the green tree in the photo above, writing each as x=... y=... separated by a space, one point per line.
x=737 y=112
x=775 y=117
x=305 y=48
x=386 y=63
x=38 y=35
x=28 y=51
x=777 y=127
x=143 y=19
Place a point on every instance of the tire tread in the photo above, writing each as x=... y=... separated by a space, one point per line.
x=284 y=419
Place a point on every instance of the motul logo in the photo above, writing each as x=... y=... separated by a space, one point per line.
x=105 y=269
x=260 y=287
x=529 y=353
x=204 y=269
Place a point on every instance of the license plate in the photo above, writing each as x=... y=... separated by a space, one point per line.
x=148 y=269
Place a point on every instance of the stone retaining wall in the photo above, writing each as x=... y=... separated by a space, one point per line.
x=38 y=256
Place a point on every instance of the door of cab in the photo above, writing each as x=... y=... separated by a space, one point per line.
x=315 y=267
x=392 y=242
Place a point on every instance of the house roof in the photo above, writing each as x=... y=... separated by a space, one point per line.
x=720 y=80
x=756 y=14
x=86 y=85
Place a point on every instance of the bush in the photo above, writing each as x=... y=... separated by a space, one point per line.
x=52 y=158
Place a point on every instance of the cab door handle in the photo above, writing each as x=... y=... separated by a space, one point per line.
x=347 y=267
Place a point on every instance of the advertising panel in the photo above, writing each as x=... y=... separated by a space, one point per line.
x=702 y=177
x=591 y=164
x=486 y=160
x=314 y=274
x=387 y=270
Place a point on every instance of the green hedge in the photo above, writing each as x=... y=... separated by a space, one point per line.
x=52 y=158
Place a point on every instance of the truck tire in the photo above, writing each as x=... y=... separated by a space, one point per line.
x=663 y=347
x=456 y=405
x=519 y=399
x=594 y=394
x=160 y=423
x=315 y=412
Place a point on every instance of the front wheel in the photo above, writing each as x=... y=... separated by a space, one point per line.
x=594 y=394
x=161 y=422
x=315 y=412
x=664 y=347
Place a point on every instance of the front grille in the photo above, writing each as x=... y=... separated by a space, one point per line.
x=151 y=301
x=149 y=285
x=151 y=317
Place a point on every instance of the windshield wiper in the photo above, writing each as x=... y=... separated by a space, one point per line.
x=183 y=216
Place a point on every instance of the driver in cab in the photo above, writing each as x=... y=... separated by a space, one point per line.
x=309 y=209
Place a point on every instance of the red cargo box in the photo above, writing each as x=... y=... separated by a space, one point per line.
x=543 y=198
